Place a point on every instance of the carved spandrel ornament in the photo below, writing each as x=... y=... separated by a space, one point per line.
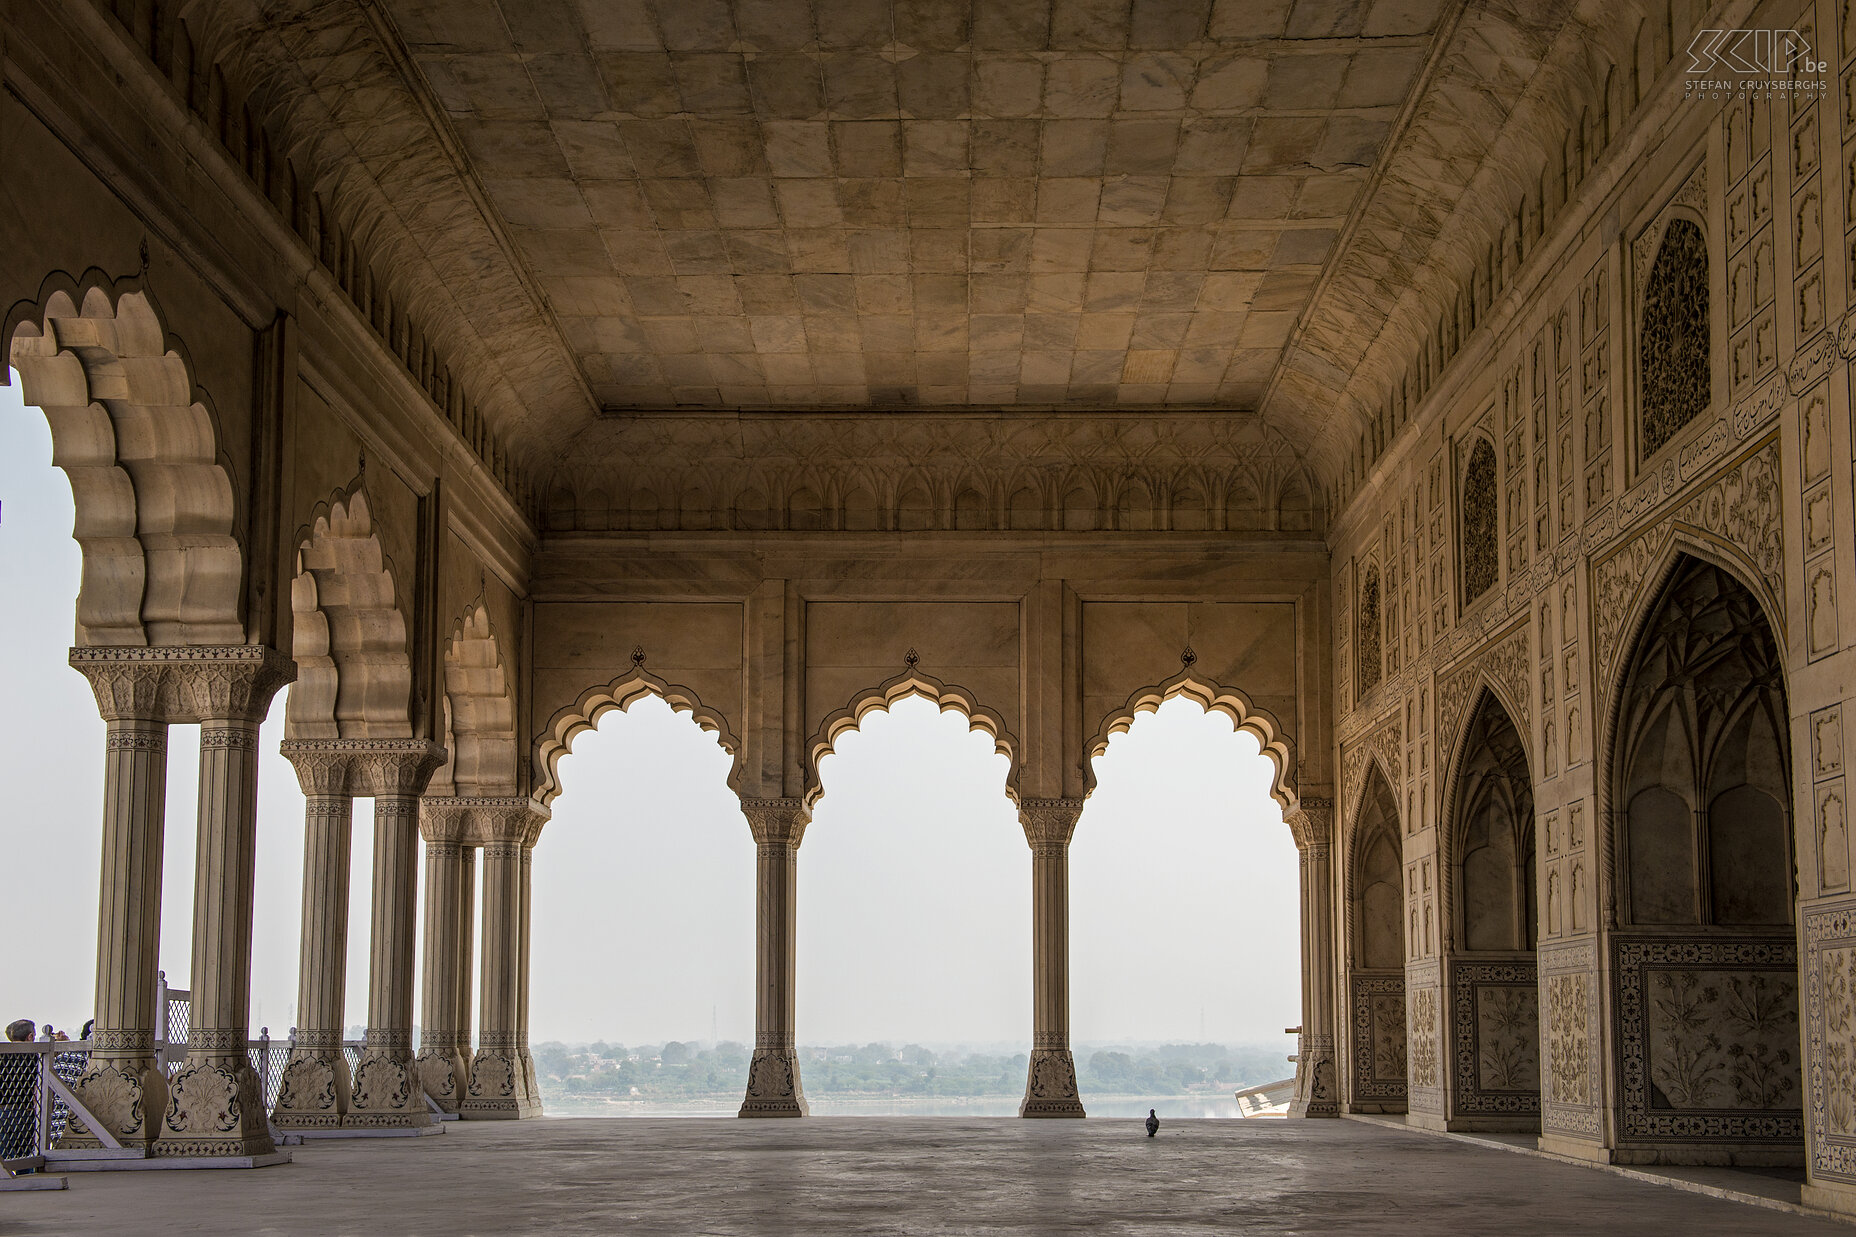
x=1741 y=506
x=1504 y=664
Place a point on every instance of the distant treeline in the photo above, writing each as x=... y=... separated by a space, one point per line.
x=676 y=1071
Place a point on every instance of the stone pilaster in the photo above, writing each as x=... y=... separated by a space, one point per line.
x=774 y=1088
x=444 y=1049
x=1050 y=1082
x=1317 y=1091
x=215 y=1104
x=387 y=1093
x=498 y=1088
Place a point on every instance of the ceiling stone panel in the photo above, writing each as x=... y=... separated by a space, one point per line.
x=924 y=203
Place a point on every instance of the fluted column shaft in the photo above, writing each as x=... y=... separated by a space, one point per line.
x=217 y=1106
x=386 y=1085
x=1317 y=1086
x=498 y=1088
x=464 y=956
x=444 y=1048
x=525 y=1061
x=774 y=1087
x=122 y=1083
x=316 y=1087
x=1050 y=1083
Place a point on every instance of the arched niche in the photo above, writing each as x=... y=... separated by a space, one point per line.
x=349 y=636
x=1375 y=957
x=155 y=507
x=560 y=731
x=1491 y=974
x=1701 y=765
x=1701 y=850
x=950 y=698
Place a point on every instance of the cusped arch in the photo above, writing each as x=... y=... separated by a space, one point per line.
x=156 y=514
x=569 y=723
x=1487 y=695
x=481 y=716
x=349 y=635
x=1213 y=698
x=948 y=697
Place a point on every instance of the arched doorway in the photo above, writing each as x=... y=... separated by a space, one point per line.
x=1375 y=1021
x=1704 y=960
x=1180 y=865
x=915 y=923
x=1492 y=1011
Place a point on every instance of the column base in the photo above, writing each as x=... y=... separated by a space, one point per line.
x=387 y=1094
x=774 y=1089
x=127 y=1096
x=315 y=1091
x=444 y=1075
x=498 y=1088
x=525 y=1077
x=1835 y=1197
x=215 y=1108
x=1316 y=1094
x=1050 y=1085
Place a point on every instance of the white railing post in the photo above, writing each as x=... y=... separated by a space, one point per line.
x=161 y=1022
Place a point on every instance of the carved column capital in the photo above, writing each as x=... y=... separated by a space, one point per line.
x=395 y=768
x=777 y=821
x=184 y=684
x=498 y=820
x=322 y=765
x=1312 y=823
x=1048 y=823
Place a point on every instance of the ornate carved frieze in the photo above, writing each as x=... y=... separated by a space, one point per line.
x=383 y=768
x=1189 y=471
x=1830 y=1037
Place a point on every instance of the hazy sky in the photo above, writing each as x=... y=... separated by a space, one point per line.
x=914 y=877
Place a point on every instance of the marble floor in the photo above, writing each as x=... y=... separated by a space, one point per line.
x=830 y=1175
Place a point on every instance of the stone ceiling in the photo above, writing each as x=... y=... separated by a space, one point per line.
x=624 y=206
x=926 y=202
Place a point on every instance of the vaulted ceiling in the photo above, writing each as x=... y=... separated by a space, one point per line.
x=608 y=208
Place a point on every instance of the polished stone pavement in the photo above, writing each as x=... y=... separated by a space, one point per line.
x=907 y=1175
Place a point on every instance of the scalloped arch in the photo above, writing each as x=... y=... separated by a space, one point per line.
x=156 y=514
x=481 y=743
x=1213 y=698
x=348 y=635
x=949 y=697
x=557 y=737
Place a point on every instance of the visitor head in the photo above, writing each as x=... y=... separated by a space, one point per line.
x=88 y=1024
x=21 y=1032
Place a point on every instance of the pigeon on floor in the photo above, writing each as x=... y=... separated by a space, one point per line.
x=1153 y=1123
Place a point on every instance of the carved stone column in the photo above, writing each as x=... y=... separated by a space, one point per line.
x=524 y=1059
x=466 y=929
x=1050 y=1083
x=498 y=1085
x=215 y=1105
x=444 y=1056
x=316 y=1087
x=1317 y=1092
x=774 y=1089
x=387 y=1094
x=122 y=1084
